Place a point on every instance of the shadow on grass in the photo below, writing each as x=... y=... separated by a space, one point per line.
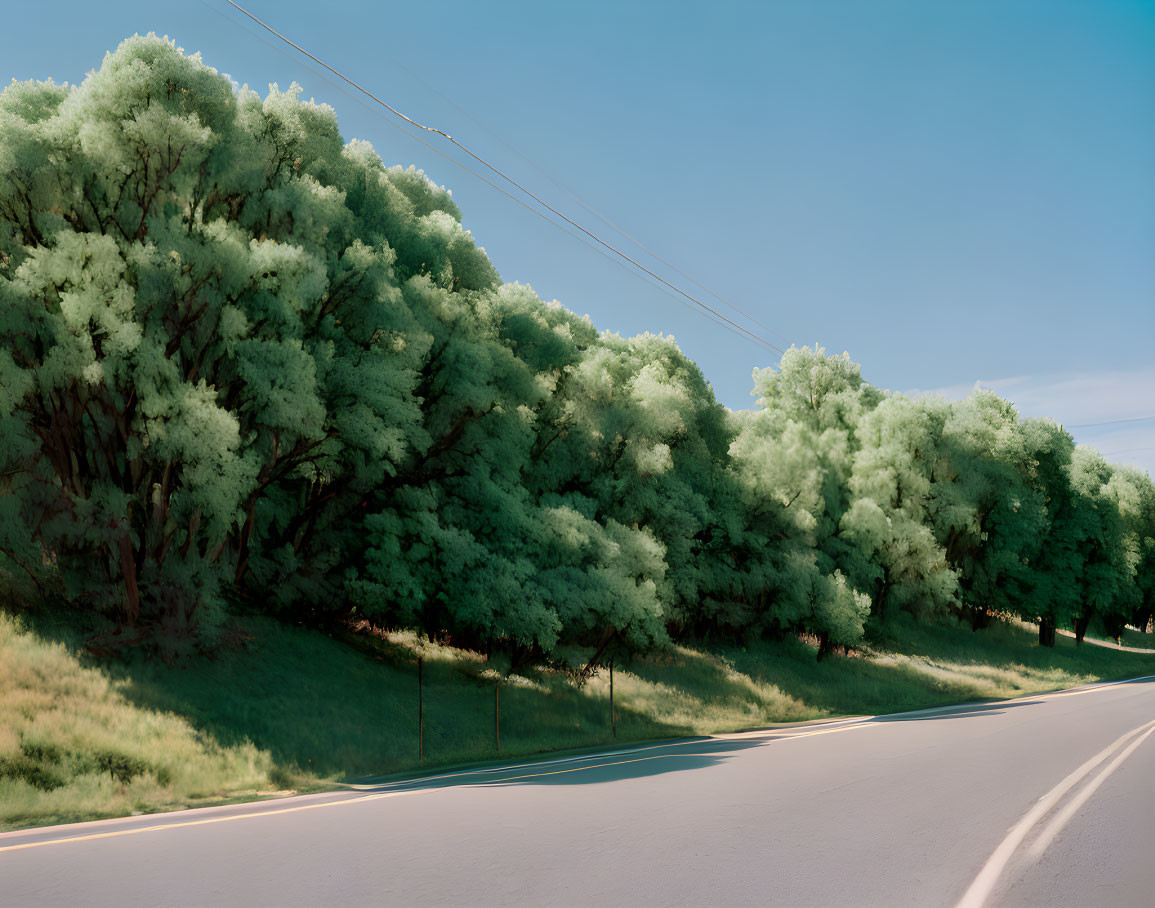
x=670 y=757
x=782 y=681
x=792 y=685
x=1000 y=644
x=663 y=758
x=925 y=665
x=321 y=707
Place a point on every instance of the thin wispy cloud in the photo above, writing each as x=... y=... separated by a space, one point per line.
x=1108 y=410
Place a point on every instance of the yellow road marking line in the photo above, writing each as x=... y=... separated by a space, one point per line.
x=776 y=734
x=364 y=798
x=1098 y=687
x=205 y=822
x=829 y=731
x=862 y=722
x=558 y=772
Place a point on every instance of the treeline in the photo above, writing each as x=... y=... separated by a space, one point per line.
x=243 y=361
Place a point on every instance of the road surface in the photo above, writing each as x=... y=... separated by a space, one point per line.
x=1042 y=801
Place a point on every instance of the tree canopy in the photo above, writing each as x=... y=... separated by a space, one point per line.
x=244 y=361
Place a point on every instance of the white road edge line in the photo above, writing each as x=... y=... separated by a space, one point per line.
x=982 y=887
x=1043 y=842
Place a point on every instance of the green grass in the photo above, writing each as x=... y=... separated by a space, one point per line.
x=1138 y=639
x=907 y=665
x=293 y=709
x=74 y=747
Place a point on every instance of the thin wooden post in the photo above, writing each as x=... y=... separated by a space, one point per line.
x=420 y=710
x=497 y=714
x=613 y=716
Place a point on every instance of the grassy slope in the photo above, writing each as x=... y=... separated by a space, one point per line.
x=293 y=708
x=73 y=747
x=1138 y=639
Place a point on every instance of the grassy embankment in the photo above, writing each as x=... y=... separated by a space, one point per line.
x=293 y=709
x=1137 y=639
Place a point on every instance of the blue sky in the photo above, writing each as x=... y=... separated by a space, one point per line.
x=953 y=192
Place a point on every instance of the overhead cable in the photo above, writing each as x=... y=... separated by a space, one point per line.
x=1111 y=422
x=750 y=335
x=562 y=227
x=605 y=219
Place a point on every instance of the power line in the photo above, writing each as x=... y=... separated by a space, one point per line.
x=718 y=315
x=605 y=219
x=1127 y=451
x=560 y=227
x=1111 y=422
x=674 y=267
x=585 y=242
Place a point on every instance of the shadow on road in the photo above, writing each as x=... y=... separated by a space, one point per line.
x=982 y=708
x=686 y=754
x=990 y=708
x=651 y=760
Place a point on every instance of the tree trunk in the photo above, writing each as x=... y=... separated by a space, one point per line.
x=243 y=547
x=1081 y=627
x=1046 y=632
x=878 y=608
x=128 y=572
x=825 y=647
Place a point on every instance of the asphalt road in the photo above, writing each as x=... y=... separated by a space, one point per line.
x=1042 y=801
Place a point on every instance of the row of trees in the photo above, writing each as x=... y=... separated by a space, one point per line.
x=243 y=360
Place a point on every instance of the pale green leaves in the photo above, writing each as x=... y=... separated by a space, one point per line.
x=240 y=359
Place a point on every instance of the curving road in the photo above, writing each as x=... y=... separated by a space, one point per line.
x=1042 y=801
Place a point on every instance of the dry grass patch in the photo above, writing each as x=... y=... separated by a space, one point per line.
x=295 y=709
x=73 y=747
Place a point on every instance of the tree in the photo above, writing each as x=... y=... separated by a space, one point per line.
x=466 y=540
x=1106 y=582
x=792 y=458
x=210 y=350
x=1055 y=562
x=1133 y=494
x=889 y=523
x=985 y=513
x=241 y=359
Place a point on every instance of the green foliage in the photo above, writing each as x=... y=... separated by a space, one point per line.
x=213 y=347
x=120 y=766
x=31 y=771
x=903 y=565
x=984 y=510
x=244 y=362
